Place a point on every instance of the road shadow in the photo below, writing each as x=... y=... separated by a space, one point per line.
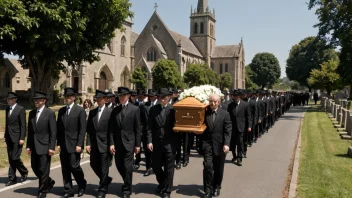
x=190 y=190
x=145 y=188
x=33 y=191
x=4 y=180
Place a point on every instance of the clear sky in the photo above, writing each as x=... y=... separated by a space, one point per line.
x=266 y=25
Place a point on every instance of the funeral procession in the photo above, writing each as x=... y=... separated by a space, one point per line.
x=187 y=98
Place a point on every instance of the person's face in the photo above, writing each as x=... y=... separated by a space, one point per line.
x=11 y=101
x=101 y=101
x=236 y=98
x=69 y=99
x=152 y=98
x=112 y=100
x=164 y=100
x=214 y=102
x=86 y=104
x=124 y=98
x=39 y=103
x=174 y=95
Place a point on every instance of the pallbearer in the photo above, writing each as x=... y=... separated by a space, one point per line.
x=15 y=132
x=71 y=130
x=215 y=145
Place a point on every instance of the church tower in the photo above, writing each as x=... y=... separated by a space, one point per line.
x=203 y=29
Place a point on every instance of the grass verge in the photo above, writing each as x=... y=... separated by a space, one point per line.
x=325 y=169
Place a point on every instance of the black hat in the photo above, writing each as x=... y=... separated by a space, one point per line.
x=69 y=91
x=99 y=94
x=133 y=93
x=151 y=92
x=236 y=92
x=173 y=90
x=110 y=94
x=39 y=94
x=11 y=95
x=163 y=92
x=123 y=91
x=225 y=92
x=140 y=92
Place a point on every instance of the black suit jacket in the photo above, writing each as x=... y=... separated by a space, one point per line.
x=71 y=129
x=225 y=104
x=160 y=129
x=97 y=133
x=253 y=108
x=42 y=135
x=241 y=118
x=15 y=129
x=125 y=132
x=144 y=110
x=217 y=134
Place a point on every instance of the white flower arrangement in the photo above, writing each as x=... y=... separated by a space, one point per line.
x=201 y=93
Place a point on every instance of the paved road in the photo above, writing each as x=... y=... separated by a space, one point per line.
x=262 y=175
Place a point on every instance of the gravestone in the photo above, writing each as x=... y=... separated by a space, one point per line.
x=344 y=117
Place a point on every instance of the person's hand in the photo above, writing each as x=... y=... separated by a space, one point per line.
x=226 y=149
x=21 y=142
x=137 y=150
x=150 y=147
x=78 y=149
x=51 y=152
x=249 y=129
x=88 y=149
x=112 y=149
x=59 y=149
x=28 y=151
x=259 y=121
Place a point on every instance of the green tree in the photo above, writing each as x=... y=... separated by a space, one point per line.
x=225 y=81
x=212 y=77
x=326 y=77
x=45 y=34
x=248 y=78
x=335 y=27
x=165 y=74
x=139 y=78
x=195 y=75
x=308 y=54
x=266 y=68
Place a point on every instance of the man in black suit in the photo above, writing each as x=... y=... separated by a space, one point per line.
x=253 y=107
x=41 y=141
x=71 y=130
x=125 y=137
x=241 y=123
x=97 y=144
x=15 y=133
x=215 y=145
x=163 y=141
x=111 y=100
x=145 y=108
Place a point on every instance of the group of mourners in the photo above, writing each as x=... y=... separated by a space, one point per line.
x=126 y=123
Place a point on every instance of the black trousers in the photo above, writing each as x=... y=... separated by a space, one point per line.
x=14 y=151
x=213 y=171
x=41 y=168
x=238 y=144
x=124 y=164
x=164 y=156
x=70 y=164
x=188 y=139
x=178 y=152
x=100 y=165
x=256 y=132
x=147 y=154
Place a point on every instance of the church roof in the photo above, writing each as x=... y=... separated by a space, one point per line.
x=223 y=51
x=134 y=37
x=160 y=47
x=14 y=63
x=187 y=44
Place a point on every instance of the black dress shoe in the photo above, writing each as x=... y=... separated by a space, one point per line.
x=233 y=160
x=178 y=166
x=148 y=172
x=185 y=164
x=207 y=195
x=166 y=195
x=244 y=155
x=216 y=192
x=100 y=195
x=51 y=185
x=10 y=183
x=109 y=180
x=239 y=161
x=126 y=196
x=135 y=167
x=42 y=195
x=24 y=178
x=81 y=192
x=68 y=195
x=159 y=190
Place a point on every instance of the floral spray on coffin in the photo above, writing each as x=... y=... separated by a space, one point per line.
x=190 y=110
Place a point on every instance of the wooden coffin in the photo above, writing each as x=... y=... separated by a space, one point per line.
x=189 y=114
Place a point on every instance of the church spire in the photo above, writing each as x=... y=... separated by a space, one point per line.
x=202 y=6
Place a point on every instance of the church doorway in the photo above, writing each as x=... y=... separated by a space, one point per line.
x=75 y=80
x=125 y=78
x=103 y=82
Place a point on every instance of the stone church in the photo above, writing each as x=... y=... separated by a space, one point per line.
x=128 y=50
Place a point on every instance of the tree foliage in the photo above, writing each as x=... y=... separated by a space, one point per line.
x=139 y=78
x=195 y=75
x=225 y=81
x=308 y=54
x=45 y=34
x=166 y=75
x=335 y=21
x=326 y=77
x=248 y=78
x=266 y=68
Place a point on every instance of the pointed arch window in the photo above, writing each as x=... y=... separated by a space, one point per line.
x=212 y=65
x=202 y=28
x=123 y=46
x=7 y=81
x=220 y=68
x=151 y=55
x=103 y=83
x=226 y=67
x=195 y=28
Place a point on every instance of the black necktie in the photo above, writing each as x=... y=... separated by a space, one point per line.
x=123 y=111
x=9 y=114
x=214 y=116
x=67 y=110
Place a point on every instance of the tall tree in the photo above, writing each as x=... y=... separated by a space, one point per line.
x=335 y=27
x=225 y=81
x=139 y=78
x=326 y=77
x=165 y=74
x=195 y=75
x=212 y=77
x=249 y=75
x=266 y=68
x=308 y=54
x=45 y=34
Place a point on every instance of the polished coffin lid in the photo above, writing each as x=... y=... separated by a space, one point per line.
x=190 y=102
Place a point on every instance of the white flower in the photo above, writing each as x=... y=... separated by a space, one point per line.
x=201 y=93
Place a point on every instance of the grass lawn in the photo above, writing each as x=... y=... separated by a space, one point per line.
x=325 y=169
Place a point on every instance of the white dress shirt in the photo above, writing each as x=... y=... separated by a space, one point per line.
x=12 y=108
x=39 y=112
x=100 y=112
x=69 y=110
